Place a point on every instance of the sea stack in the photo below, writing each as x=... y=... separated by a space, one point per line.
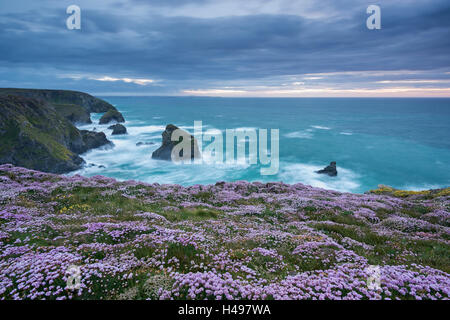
x=329 y=170
x=165 y=151
x=111 y=115
x=118 y=129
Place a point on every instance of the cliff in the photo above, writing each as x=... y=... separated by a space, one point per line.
x=34 y=135
x=73 y=105
x=90 y=103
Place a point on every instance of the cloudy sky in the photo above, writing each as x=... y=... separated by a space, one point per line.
x=292 y=48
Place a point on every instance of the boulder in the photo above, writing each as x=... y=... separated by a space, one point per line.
x=329 y=170
x=111 y=115
x=118 y=129
x=92 y=140
x=165 y=151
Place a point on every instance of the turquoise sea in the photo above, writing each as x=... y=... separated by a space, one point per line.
x=404 y=143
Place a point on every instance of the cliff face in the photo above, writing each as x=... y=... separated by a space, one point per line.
x=74 y=113
x=75 y=106
x=63 y=97
x=34 y=135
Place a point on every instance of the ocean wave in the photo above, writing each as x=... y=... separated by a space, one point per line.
x=346 y=180
x=321 y=127
x=299 y=135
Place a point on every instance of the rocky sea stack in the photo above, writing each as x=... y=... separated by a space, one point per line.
x=37 y=128
x=111 y=115
x=329 y=170
x=94 y=140
x=165 y=151
x=118 y=129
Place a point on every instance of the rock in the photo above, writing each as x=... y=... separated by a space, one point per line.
x=74 y=113
x=140 y=143
x=165 y=151
x=111 y=115
x=118 y=129
x=33 y=135
x=329 y=170
x=92 y=140
x=38 y=134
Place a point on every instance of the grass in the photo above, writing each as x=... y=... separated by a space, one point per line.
x=345 y=217
x=424 y=194
x=234 y=236
x=124 y=208
x=194 y=214
x=430 y=253
x=185 y=254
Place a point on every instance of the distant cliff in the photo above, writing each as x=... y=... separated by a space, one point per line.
x=37 y=131
x=73 y=105
x=90 y=103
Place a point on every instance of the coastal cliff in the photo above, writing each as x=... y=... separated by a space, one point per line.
x=37 y=130
x=73 y=105
x=88 y=102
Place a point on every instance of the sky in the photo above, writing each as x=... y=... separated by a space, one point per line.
x=230 y=48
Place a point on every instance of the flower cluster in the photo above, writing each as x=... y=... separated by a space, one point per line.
x=231 y=240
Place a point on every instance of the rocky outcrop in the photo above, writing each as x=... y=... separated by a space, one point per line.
x=75 y=106
x=92 y=140
x=165 y=151
x=74 y=113
x=34 y=135
x=118 y=129
x=111 y=115
x=329 y=170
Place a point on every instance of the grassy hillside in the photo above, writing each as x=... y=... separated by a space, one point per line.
x=238 y=240
x=72 y=112
x=34 y=135
x=90 y=103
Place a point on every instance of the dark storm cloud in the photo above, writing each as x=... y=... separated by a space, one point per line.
x=158 y=40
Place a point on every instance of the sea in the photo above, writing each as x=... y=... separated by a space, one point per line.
x=403 y=143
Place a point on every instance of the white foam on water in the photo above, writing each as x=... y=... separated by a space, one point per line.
x=346 y=180
x=321 y=127
x=346 y=133
x=128 y=161
x=145 y=129
x=299 y=135
x=245 y=129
